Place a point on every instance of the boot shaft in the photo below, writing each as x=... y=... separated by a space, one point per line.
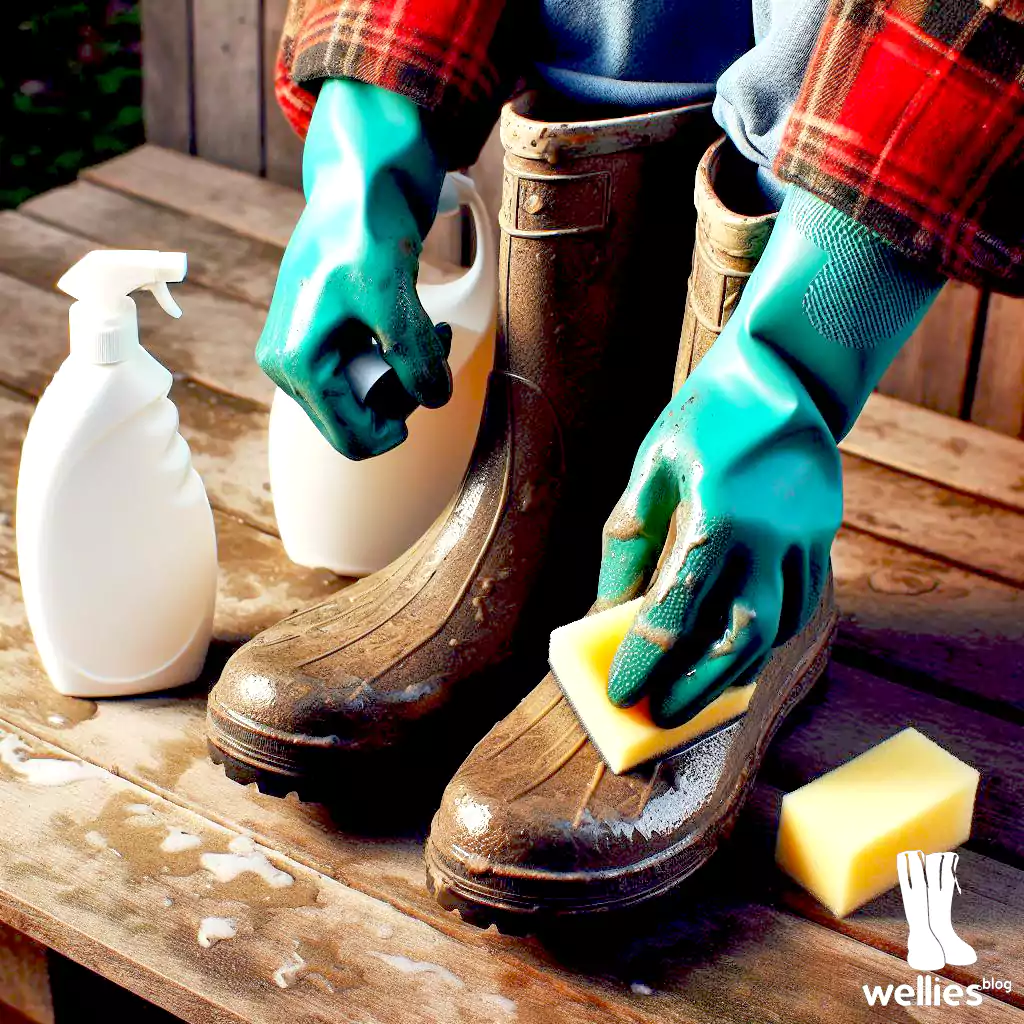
x=595 y=244
x=733 y=228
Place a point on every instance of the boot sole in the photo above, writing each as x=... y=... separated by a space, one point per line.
x=522 y=912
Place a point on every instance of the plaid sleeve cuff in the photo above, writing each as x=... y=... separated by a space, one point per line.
x=439 y=53
x=911 y=121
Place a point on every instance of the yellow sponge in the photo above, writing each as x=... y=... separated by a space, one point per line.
x=839 y=835
x=581 y=655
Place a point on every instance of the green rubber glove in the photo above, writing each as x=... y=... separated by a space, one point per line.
x=744 y=460
x=372 y=183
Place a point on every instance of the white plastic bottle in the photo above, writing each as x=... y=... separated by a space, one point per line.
x=356 y=517
x=116 y=546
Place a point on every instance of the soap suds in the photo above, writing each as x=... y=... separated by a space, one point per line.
x=96 y=839
x=288 y=974
x=178 y=841
x=216 y=929
x=503 y=1003
x=244 y=856
x=408 y=966
x=44 y=771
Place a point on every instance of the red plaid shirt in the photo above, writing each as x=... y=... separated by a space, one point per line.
x=910 y=120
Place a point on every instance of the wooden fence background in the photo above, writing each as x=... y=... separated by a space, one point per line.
x=208 y=77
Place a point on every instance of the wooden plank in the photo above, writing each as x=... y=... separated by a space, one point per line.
x=282 y=148
x=212 y=342
x=83 y=871
x=675 y=969
x=999 y=394
x=931 y=368
x=986 y=912
x=932 y=519
x=232 y=264
x=943 y=628
x=240 y=202
x=160 y=744
x=24 y=978
x=852 y=711
x=228 y=82
x=249 y=206
x=167 y=74
x=946 y=451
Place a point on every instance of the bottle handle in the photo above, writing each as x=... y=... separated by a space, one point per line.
x=470 y=301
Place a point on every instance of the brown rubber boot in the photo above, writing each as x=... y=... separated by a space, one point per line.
x=534 y=825
x=409 y=666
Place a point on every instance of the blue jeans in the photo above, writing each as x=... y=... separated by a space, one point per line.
x=651 y=54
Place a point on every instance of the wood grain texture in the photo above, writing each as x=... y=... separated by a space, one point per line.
x=158 y=743
x=241 y=202
x=945 y=629
x=931 y=368
x=673 y=968
x=82 y=869
x=232 y=264
x=24 y=978
x=987 y=911
x=946 y=451
x=282 y=148
x=167 y=74
x=999 y=394
x=851 y=711
x=228 y=82
x=919 y=514
x=212 y=342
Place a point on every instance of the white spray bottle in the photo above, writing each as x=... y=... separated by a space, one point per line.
x=116 y=546
x=356 y=517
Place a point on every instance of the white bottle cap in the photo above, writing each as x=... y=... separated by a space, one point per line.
x=104 y=321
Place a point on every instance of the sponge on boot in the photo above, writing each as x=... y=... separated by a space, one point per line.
x=581 y=655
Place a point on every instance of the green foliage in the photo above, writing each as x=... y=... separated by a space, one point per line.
x=70 y=90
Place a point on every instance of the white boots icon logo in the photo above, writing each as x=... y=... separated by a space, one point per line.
x=927 y=884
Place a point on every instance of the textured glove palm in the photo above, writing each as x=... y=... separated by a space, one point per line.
x=744 y=461
x=372 y=183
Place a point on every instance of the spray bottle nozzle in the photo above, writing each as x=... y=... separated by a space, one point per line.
x=103 y=320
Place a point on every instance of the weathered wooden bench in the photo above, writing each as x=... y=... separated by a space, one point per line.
x=930 y=569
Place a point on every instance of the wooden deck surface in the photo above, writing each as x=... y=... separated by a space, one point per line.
x=930 y=571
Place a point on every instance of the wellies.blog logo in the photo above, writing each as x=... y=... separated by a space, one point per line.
x=927 y=885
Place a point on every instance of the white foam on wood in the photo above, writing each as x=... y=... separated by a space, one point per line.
x=216 y=929
x=178 y=841
x=45 y=771
x=244 y=856
x=408 y=966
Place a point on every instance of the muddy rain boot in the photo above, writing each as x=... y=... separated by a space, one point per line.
x=401 y=672
x=533 y=825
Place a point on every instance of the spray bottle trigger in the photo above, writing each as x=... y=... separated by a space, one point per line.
x=162 y=294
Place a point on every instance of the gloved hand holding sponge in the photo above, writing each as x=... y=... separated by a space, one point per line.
x=372 y=182
x=744 y=462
